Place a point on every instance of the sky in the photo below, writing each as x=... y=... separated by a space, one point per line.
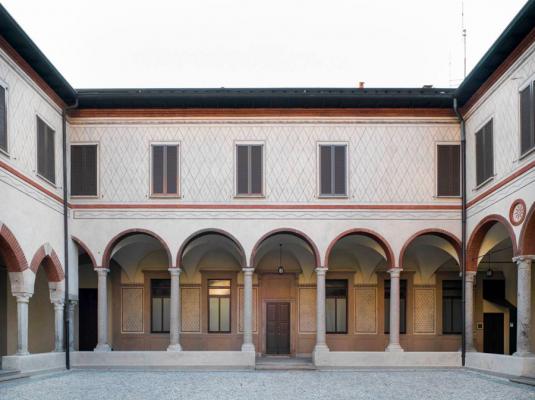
x=269 y=43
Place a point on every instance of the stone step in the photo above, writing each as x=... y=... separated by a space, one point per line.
x=284 y=364
x=523 y=380
x=10 y=374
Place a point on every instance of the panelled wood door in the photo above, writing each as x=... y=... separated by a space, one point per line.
x=278 y=328
x=87 y=309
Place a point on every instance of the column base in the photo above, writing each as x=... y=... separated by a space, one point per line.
x=59 y=351
x=22 y=353
x=394 y=348
x=248 y=347
x=523 y=354
x=174 y=347
x=470 y=349
x=321 y=348
x=102 y=348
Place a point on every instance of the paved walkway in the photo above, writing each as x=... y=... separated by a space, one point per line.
x=256 y=385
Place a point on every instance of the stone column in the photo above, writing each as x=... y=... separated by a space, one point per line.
x=102 y=344
x=523 y=304
x=393 y=344
x=58 y=325
x=469 y=310
x=174 y=321
x=248 y=310
x=22 y=323
x=321 y=344
x=70 y=311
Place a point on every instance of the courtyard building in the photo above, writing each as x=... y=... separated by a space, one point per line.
x=211 y=227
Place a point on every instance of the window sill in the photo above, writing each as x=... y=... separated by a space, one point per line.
x=47 y=181
x=84 y=197
x=165 y=196
x=249 y=196
x=527 y=154
x=444 y=197
x=5 y=153
x=333 y=196
x=484 y=183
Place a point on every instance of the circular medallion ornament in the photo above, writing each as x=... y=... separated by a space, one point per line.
x=517 y=213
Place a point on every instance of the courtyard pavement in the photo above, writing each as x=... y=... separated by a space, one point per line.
x=255 y=385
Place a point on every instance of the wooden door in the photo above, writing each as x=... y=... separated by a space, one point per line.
x=88 y=319
x=493 y=333
x=278 y=328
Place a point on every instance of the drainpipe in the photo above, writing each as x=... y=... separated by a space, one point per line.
x=66 y=235
x=463 y=224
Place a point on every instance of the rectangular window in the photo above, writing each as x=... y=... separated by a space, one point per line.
x=336 y=306
x=84 y=170
x=165 y=170
x=527 y=118
x=160 y=293
x=452 y=307
x=333 y=175
x=484 y=154
x=249 y=167
x=402 y=306
x=3 y=118
x=46 y=166
x=448 y=170
x=219 y=305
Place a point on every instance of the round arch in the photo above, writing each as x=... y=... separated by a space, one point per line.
x=106 y=258
x=448 y=236
x=11 y=251
x=83 y=246
x=204 y=232
x=527 y=234
x=364 y=232
x=288 y=231
x=478 y=234
x=47 y=257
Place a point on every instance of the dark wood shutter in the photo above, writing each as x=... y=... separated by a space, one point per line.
x=339 y=170
x=242 y=166
x=325 y=170
x=171 y=169
x=256 y=170
x=525 y=120
x=157 y=169
x=46 y=166
x=484 y=153
x=3 y=119
x=84 y=170
x=448 y=170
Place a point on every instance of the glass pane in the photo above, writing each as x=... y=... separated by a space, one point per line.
x=325 y=170
x=330 y=311
x=172 y=169
x=218 y=292
x=387 y=314
x=166 y=314
x=402 y=316
x=225 y=314
x=157 y=169
x=256 y=169
x=219 y=283
x=3 y=119
x=446 y=315
x=457 y=316
x=340 y=169
x=341 y=315
x=214 y=314
x=242 y=169
x=157 y=315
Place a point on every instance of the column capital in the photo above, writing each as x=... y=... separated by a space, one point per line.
x=470 y=274
x=175 y=271
x=58 y=303
x=102 y=271
x=248 y=270
x=22 y=297
x=321 y=270
x=524 y=258
x=395 y=272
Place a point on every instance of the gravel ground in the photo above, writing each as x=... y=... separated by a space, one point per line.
x=256 y=385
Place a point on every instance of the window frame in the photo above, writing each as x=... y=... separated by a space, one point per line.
x=6 y=151
x=178 y=194
x=451 y=143
x=443 y=308
x=229 y=296
x=152 y=331
x=336 y=332
x=493 y=174
x=320 y=195
x=235 y=175
x=530 y=82
x=54 y=131
x=84 y=196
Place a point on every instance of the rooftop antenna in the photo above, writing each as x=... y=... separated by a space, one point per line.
x=464 y=35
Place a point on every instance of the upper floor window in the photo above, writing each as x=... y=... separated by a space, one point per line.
x=333 y=165
x=84 y=170
x=452 y=307
x=448 y=170
x=484 y=154
x=527 y=118
x=164 y=170
x=336 y=305
x=46 y=166
x=3 y=118
x=249 y=166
